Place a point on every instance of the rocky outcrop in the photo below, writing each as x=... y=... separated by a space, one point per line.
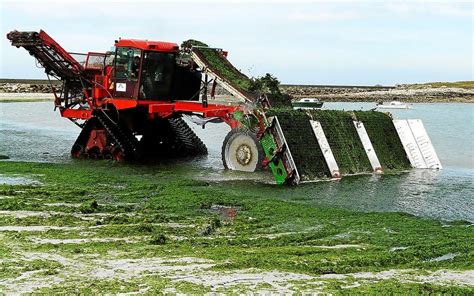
x=368 y=94
x=25 y=88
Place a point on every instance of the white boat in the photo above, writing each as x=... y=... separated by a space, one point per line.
x=307 y=103
x=392 y=105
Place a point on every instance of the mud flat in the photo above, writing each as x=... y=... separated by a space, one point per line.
x=145 y=229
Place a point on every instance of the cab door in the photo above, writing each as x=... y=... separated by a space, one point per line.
x=127 y=72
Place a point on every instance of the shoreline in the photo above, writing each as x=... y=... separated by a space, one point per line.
x=49 y=97
x=18 y=90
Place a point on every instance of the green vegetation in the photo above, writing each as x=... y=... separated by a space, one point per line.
x=343 y=139
x=457 y=84
x=250 y=87
x=385 y=140
x=304 y=148
x=345 y=144
x=130 y=221
x=218 y=63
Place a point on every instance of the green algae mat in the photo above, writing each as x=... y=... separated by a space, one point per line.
x=343 y=139
x=384 y=138
x=145 y=229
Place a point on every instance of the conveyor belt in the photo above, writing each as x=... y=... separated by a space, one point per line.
x=55 y=60
x=222 y=75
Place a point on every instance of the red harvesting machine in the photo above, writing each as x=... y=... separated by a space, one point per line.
x=139 y=91
x=130 y=104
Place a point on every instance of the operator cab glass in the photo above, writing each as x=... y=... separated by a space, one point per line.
x=157 y=75
x=127 y=72
x=153 y=75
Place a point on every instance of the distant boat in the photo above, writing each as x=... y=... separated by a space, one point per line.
x=392 y=105
x=307 y=103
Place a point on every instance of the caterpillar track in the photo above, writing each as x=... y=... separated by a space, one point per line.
x=102 y=138
x=171 y=138
x=186 y=141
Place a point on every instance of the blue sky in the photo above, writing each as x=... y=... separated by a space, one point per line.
x=371 y=42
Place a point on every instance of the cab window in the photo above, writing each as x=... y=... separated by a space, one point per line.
x=157 y=75
x=127 y=63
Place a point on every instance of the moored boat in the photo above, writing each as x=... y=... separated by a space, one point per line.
x=392 y=105
x=307 y=103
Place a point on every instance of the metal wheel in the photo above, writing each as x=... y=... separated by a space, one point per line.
x=242 y=151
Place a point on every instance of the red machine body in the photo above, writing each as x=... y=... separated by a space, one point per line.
x=140 y=89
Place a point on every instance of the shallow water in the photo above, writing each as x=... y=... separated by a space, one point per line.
x=34 y=132
x=17 y=180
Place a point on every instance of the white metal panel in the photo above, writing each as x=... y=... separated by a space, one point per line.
x=409 y=143
x=325 y=148
x=369 y=149
x=424 y=144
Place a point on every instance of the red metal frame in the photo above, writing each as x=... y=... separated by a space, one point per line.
x=164 y=109
x=76 y=113
x=101 y=83
x=148 y=45
x=52 y=43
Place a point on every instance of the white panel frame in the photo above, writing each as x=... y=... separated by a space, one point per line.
x=325 y=148
x=369 y=149
x=417 y=144
x=424 y=144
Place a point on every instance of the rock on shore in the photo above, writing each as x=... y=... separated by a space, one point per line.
x=405 y=93
x=25 y=88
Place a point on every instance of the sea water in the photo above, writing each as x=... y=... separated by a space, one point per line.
x=35 y=132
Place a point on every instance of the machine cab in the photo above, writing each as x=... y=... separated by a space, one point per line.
x=147 y=70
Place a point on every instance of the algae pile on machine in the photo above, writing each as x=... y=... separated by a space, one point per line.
x=130 y=105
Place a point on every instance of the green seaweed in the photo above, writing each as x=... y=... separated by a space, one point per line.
x=275 y=229
x=219 y=63
x=302 y=143
x=340 y=132
x=384 y=139
x=250 y=87
x=344 y=140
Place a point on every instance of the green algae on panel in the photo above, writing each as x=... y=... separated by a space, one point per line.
x=344 y=140
x=385 y=140
x=302 y=143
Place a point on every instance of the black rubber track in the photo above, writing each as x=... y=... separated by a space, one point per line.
x=122 y=137
x=186 y=142
x=171 y=138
